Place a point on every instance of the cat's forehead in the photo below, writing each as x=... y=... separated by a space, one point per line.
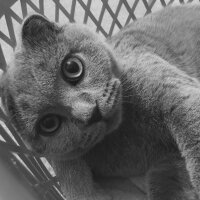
x=78 y=38
x=78 y=33
x=72 y=38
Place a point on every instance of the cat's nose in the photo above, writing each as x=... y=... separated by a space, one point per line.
x=95 y=117
x=86 y=112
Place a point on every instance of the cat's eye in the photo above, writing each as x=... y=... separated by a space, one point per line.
x=49 y=124
x=72 y=69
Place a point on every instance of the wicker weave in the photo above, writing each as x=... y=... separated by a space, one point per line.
x=106 y=17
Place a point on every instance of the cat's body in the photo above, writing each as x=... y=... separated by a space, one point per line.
x=172 y=34
x=151 y=130
x=142 y=142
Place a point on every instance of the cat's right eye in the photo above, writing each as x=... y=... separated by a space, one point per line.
x=49 y=125
x=72 y=69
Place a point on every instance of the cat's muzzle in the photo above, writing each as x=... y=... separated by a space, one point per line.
x=101 y=108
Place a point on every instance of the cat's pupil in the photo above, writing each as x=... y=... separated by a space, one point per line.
x=49 y=124
x=72 y=67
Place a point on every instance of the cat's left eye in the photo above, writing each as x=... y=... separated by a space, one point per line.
x=72 y=69
x=49 y=125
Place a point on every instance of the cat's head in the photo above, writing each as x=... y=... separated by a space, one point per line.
x=61 y=89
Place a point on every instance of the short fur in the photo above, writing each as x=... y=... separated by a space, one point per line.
x=145 y=82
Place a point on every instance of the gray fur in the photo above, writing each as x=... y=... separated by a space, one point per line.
x=146 y=84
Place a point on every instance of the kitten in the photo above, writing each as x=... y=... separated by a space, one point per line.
x=126 y=107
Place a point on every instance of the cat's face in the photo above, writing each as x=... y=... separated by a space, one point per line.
x=61 y=90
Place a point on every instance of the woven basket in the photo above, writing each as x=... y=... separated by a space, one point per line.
x=104 y=16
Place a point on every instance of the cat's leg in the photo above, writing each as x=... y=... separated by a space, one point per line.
x=185 y=128
x=76 y=181
x=169 y=180
x=183 y=122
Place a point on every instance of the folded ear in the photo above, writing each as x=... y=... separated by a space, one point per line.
x=37 y=29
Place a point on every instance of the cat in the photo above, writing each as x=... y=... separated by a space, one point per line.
x=128 y=106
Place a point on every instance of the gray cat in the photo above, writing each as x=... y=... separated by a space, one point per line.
x=126 y=107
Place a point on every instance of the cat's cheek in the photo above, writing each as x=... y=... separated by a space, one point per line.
x=93 y=135
x=36 y=145
x=40 y=148
x=66 y=140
